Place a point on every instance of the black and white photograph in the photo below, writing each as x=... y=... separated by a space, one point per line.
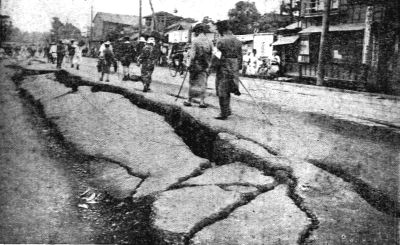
x=200 y=122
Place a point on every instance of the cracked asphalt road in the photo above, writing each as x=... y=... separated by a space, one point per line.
x=108 y=128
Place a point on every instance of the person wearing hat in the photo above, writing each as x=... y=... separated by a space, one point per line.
x=227 y=67
x=126 y=54
x=60 y=53
x=199 y=64
x=108 y=61
x=77 y=58
x=140 y=46
x=147 y=59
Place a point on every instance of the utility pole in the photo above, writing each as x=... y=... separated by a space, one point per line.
x=367 y=45
x=154 y=19
x=323 y=47
x=140 y=18
x=91 y=26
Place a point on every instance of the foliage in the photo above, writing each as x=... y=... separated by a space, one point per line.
x=60 y=30
x=115 y=34
x=270 y=22
x=244 y=17
x=6 y=28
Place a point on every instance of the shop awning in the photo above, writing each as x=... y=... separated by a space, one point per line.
x=343 y=27
x=286 y=40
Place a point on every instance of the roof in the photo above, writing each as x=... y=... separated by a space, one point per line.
x=286 y=40
x=180 y=25
x=159 y=14
x=292 y=26
x=343 y=27
x=118 y=18
x=245 y=38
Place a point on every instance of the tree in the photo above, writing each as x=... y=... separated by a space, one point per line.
x=6 y=28
x=270 y=22
x=244 y=17
x=60 y=30
x=56 y=28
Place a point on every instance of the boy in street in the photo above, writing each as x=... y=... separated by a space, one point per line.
x=126 y=56
x=60 y=53
x=147 y=59
x=108 y=61
x=71 y=52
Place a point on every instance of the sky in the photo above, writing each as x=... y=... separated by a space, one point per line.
x=35 y=15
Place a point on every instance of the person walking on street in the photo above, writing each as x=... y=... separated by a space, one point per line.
x=126 y=54
x=140 y=46
x=77 y=58
x=227 y=67
x=71 y=52
x=53 y=52
x=199 y=64
x=147 y=59
x=60 y=53
x=108 y=57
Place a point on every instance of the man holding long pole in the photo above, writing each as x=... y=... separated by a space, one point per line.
x=228 y=66
x=200 y=57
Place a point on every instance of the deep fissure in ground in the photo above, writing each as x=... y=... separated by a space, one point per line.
x=201 y=140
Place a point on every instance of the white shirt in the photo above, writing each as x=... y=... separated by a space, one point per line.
x=102 y=48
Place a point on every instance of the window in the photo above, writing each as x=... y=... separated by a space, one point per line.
x=313 y=6
x=347 y=48
x=304 y=55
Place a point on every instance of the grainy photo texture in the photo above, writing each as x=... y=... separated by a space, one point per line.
x=188 y=122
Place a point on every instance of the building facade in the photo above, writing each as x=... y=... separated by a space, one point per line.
x=363 y=43
x=105 y=24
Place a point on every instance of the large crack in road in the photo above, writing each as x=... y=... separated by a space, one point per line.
x=207 y=143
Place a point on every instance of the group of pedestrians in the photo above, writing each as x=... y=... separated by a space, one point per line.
x=225 y=58
x=265 y=66
x=144 y=53
x=56 y=53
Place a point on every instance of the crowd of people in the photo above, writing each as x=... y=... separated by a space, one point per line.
x=223 y=56
x=261 y=66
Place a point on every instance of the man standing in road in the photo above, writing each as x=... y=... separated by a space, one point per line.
x=126 y=54
x=228 y=66
x=147 y=59
x=108 y=57
x=60 y=53
x=77 y=58
x=71 y=52
x=199 y=64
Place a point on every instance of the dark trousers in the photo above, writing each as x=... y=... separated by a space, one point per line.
x=225 y=105
x=60 y=58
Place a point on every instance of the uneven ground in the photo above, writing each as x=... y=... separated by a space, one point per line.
x=211 y=182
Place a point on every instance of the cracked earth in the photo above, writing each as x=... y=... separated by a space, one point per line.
x=207 y=185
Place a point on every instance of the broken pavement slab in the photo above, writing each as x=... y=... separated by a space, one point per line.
x=178 y=213
x=113 y=179
x=271 y=218
x=338 y=211
x=233 y=174
x=108 y=126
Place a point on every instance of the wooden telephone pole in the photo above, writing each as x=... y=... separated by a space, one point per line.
x=154 y=19
x=140 y=18
x=323 y=47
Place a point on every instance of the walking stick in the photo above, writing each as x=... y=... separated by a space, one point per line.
x=258 y=106
x=180 y=89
